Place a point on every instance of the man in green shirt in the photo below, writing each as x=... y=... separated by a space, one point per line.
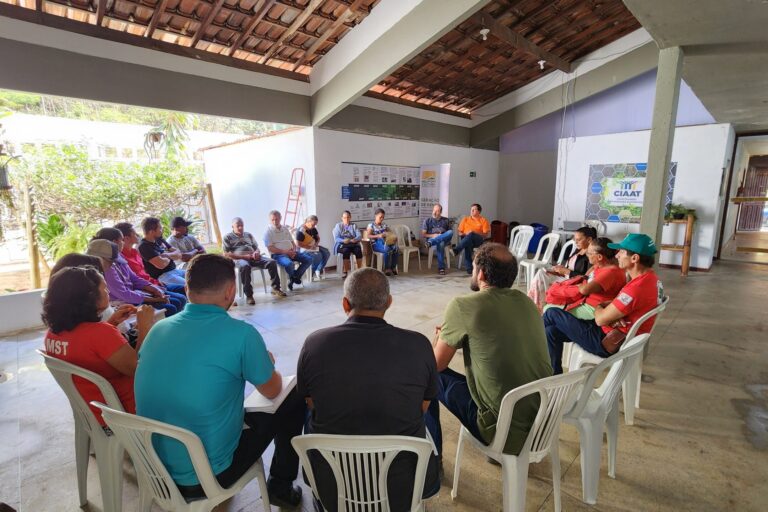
x=504 y=346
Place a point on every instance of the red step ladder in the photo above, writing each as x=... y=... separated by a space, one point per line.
x=293 y=204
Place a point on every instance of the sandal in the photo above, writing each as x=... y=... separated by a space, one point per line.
x=344 y=275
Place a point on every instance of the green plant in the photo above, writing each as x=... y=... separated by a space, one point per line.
x=49 y=228
x=74 y=238
x=676 y=211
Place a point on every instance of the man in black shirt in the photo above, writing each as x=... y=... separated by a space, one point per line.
x=366 y=377
x=158 y=256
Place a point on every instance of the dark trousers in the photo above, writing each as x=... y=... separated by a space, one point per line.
x=176 y=303
x=562 y=327
x=453 y=393
x=346 y=249
x=467 y=244
x=245 y=273
x=282 y=426
x=399 y=478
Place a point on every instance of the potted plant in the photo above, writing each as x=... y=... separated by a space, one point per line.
x=677 y=211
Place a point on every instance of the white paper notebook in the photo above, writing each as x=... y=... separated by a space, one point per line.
x=256 y=402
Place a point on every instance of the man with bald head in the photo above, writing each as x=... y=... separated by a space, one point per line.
x=504 y=346
x=367 y=377
x=242 y=248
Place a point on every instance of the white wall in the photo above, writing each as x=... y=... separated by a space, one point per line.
x=527 y=186
x=20 y=311
x=700 y=152
x=334 y=147
x=251 y=178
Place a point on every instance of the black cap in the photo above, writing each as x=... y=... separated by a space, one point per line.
x=177 y=222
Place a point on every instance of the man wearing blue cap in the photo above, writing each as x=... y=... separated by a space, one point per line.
x=641 y=294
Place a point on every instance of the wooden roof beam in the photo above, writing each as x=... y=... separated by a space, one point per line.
x=159 y=10
x=297 y=23
x=101 y=10
x=351 y=12
x=257 y=17
x=514 y=39
x=212 y=12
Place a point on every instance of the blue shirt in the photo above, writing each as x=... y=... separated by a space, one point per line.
x=435 y=226
x=191 y=373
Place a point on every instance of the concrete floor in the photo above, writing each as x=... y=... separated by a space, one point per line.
x=699 y=441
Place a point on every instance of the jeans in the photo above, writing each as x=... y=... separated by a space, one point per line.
x=282 y=426
x=467 y=244
x=319 y=258
x=304 y=259
x=453 y=393
x=245 y=266
x=390 y=253
x=438 y=242
x=176 y=303
x=562 y=327
x=176 y=288
x=172 y=277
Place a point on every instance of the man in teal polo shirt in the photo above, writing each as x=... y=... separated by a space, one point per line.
x=192 y=372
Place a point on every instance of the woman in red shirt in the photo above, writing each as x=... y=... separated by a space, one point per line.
x=72 y=308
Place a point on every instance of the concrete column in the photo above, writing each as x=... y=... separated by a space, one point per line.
x=662 y=136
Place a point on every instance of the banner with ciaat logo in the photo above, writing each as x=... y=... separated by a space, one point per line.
x=616 y=191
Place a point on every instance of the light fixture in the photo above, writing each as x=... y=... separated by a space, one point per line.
x=484 y=33
x=541 y=64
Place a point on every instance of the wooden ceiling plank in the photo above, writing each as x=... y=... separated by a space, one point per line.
x=101 y=9
x=352 y=11
x=513 y=38
x=394 y=99
x=158 y=12
x=212 y=12
x=257 y=17
x=297 y=22
x=506 y=12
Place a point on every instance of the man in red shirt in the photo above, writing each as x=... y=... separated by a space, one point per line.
x=641 y=294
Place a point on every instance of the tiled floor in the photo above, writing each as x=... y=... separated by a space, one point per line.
x=699 y=441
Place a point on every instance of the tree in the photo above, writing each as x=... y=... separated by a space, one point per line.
x=66 y=182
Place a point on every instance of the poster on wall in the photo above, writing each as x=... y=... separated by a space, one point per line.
x=433 y=180
x=367 y=187
x=615 y=192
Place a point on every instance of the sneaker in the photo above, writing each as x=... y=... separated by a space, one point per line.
x=394 y=271
x=250 y=301
x=278 y=292
x=427 y=244
x=344 y=275
x=387 y=272
x=282 y=495
x=318 y=275
x=296 y=280
x=454 y=251
x=290 y=285
x=441 y=271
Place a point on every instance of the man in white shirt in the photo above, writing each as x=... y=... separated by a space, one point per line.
x=282 y=249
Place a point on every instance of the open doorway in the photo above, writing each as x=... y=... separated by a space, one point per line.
x=745 y=225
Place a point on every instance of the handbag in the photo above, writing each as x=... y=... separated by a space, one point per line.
x=566 y=293
x=613 y=340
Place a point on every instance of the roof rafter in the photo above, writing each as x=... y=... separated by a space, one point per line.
x=297 y=22
x=351 y=12
x=159 y=10
x=212 y=12
x=257 y=17
x=513 y=38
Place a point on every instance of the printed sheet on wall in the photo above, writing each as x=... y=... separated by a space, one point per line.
x=615 y=191
x=370 y=186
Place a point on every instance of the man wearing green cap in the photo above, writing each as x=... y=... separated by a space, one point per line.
x=641 y=294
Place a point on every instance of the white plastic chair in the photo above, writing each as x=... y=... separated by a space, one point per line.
x=241 y=289
x=155 y=483
x=598 y=409
x=340 y=263
x=566 y=251
x=542 y=258
x=519 y=239
x=631 y=385
x=89 y=432
x=403 y=233
x=360 y=466
x=431 y=254
x=556 y=396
